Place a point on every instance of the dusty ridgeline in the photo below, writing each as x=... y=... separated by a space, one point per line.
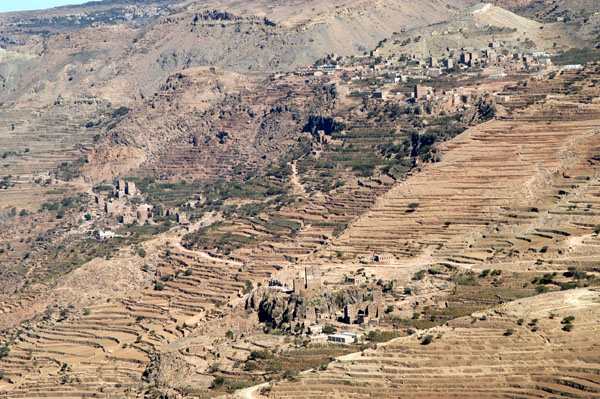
x=233 y=233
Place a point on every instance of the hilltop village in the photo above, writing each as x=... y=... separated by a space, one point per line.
x=458 y=82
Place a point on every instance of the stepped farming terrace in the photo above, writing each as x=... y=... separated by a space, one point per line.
x=112 y=342
x=36 y=141
x=536 y=347
x=502 y=175
x=482 y=217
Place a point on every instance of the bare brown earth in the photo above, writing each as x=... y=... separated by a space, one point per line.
x=198 y=104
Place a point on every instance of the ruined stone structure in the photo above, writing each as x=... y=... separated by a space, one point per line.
x=378 y=296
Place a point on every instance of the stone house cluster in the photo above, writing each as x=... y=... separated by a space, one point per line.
x=308 y=318
x=180 y=216
x=125 y=188
x=366 y=312
x=127 y=212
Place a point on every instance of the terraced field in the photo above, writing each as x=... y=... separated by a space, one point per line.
x=515 y=194
x=36 y=141
x=518 y=192
x=520 y=351
x=493 y=178
x=111 y=342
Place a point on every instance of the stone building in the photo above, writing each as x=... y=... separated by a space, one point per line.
x=310 y=282
x=299 y=286
x=350 y=313
x=374 y=310
x=144 y=212
x=181 y=218
x=130 y=188
x=312 y=277
x=240 y=326
x=356 y=280
x=384 y=258
x=420 y=92
x=310 y=317
x=322 y=137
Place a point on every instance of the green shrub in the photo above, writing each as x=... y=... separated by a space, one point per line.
x=567 y=327
x=567 y=320
x=427 y=340
x=218 y=382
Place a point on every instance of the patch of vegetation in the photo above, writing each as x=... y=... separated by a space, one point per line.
x=383 y=336
x=577 y=56
x=427 y=339
x=69 y=170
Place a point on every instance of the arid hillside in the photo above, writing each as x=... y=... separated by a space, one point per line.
x=269 y=199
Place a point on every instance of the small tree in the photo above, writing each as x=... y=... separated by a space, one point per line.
x=250 y=366
x=218 y=382
x=249 y=287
